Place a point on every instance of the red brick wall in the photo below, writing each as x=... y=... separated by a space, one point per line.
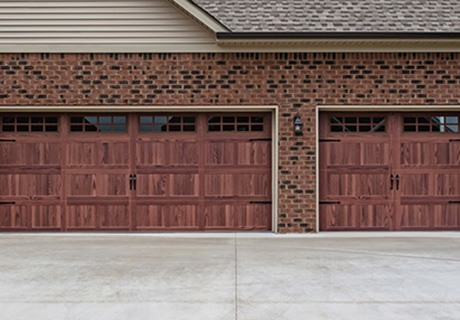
x=295 y=82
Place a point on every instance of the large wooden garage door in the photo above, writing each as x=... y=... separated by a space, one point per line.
x=83 y=172
x=390 y=171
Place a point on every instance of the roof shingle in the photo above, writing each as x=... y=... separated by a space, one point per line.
x=335 y=15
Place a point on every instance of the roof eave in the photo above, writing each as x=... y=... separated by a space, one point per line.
x=335 y=35
x=201 y=16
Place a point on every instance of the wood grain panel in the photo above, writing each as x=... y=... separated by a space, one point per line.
x=253 y=217
x=184 y=185
x=219 y=185
x=154 y=185
x=220 y=153
x=81 y=217
x=253 y=184
x=152 y=217
x=152 y=153
x=36 y=153
x=220 y=217
x=415 y=216
x=46 y=217
x=30 y=185
x=357 y=217
x=15 y=217
x=446 y=217
x=183 y=217
x=113 y=216
x=184 y=154
x=254 y=153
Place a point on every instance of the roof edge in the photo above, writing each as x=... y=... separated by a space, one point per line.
x=200 y=15
x=335 y=35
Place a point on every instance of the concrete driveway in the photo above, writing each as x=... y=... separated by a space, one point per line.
x=230 y=276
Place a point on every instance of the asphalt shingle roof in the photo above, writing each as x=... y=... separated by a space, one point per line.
x=335 y=15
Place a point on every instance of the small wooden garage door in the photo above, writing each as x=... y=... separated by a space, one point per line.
x=159 y=171
x=390 y=171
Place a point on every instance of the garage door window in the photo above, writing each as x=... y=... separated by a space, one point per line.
x=167 y=123
x=232 y=123
x=440 y=123
x=95 y=123
x=22 y=123
x=357 y=124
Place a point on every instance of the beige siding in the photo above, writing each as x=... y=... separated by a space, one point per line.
x=98 y=23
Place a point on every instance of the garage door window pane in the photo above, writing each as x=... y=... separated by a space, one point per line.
x=357 y=124
x=24 y=123
x=235 y=124
x=439 y=123
x=98 y=123
x=167 y=123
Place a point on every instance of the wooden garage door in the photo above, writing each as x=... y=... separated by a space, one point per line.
x=159 y=171
x=390 y=171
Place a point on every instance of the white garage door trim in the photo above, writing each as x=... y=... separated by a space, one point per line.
x=371 y=108
x=274 y=110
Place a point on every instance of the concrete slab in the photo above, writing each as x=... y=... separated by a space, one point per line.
x=229 y=276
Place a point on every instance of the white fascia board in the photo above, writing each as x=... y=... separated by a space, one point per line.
x=200 y=15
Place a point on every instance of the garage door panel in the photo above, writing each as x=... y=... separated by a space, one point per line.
x=81 y=217
x=152 y=153
x=447 y=154
x=446 y=216
x=154 y=185
x=15 y=217
x=253 y=184
x=357 y=185
x=184 y=185
x=415 y=216
x=220 y=153
x=357 y=154
x=254 y=216
x=97 y=154
x=113 y=216
x=95 y=185
x=81 y=154
x=183 y=217
x=353 y=216
x=31 y=186
x=46 y=217
x=183 y=154
x=416 y=154
x=219 y=185
x=220 y=216
x=415 y=184
x=447 y=184
x=36 y=153
x=238 y=216
x=151 y=217
x=254 y=153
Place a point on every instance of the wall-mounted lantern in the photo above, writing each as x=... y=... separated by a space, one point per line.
x=298 y=125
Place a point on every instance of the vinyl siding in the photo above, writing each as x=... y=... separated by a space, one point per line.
x=98 y=23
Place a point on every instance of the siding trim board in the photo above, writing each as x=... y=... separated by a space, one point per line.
x=176 y=26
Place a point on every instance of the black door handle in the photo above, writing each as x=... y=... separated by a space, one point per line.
x=7 y=202
x=130 y=182
x=397 y=182
x=392 y=180
x=135 y=181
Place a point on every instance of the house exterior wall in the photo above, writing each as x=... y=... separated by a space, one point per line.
x=73 y=26
x=296 y=82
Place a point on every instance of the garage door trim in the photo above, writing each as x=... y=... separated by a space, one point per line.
x=273 y=109
x=362 y=108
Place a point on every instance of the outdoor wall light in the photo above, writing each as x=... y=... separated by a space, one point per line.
x=298 y=125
